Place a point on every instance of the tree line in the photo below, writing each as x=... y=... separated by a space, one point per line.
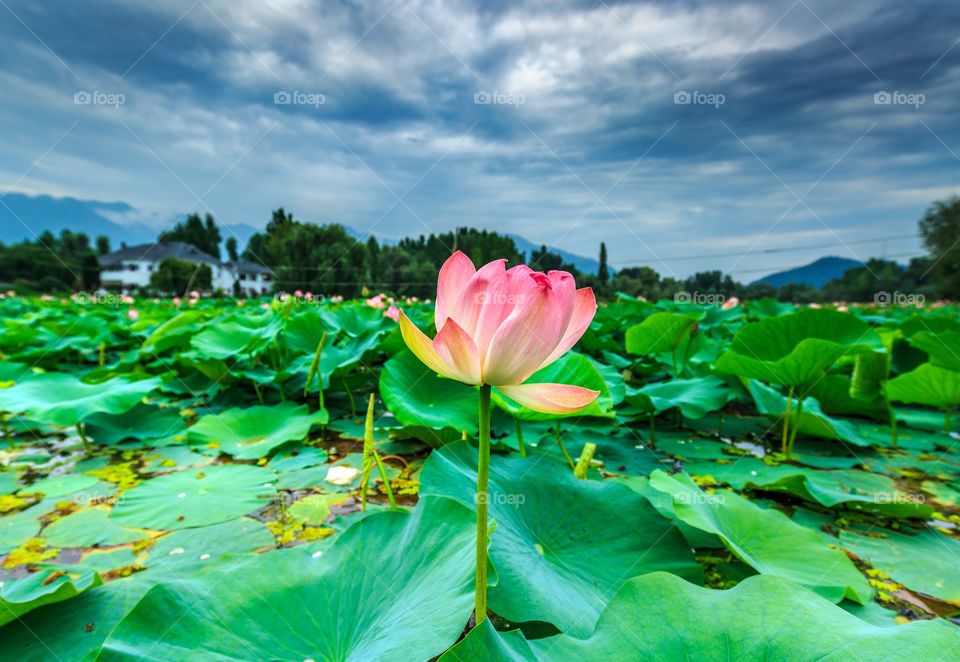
x=327 y=259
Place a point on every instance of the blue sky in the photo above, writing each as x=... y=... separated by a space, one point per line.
x=670 y=130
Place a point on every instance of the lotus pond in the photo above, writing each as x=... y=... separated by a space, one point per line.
x=213 y=480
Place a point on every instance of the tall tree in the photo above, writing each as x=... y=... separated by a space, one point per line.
x=940 y=228
x=231 y=245
x=205 y=235
x=103 y=245
x=603 y=274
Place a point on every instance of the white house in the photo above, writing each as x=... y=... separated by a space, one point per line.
x=130 y=268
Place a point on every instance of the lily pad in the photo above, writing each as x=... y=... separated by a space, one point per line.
x=562 y=547
x=62 y=399
x=89 y=528
x=787 y=622
x=192 y=498
x=252 y=432
x=767 y=540
x=402 y=581
x=18 y=596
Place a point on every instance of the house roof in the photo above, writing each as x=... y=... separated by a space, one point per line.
x=158 y=252
x=248 y=267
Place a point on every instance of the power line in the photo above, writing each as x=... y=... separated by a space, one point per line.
x=767 y=251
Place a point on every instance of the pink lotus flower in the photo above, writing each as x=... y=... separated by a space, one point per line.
x=499 y=326
x=375 y=302
x=732 y=302
x=133 y=314
x=393 y=313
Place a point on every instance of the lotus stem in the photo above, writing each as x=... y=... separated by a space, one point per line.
x=563 y=449
x=786 y=422
x=368 y=451
x=83 y=437
x=893 y=424
x=353 y=403
x=102 y=357
x=6 y=431
x=795 y=427
x=256 y=389
x=483 y=476
x=385 y=479
x=583 y=463
x=520 y=445
x=653 y=428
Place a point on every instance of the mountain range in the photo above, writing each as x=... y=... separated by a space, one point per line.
x=815 y=274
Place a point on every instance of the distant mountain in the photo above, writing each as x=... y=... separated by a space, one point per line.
x=815 y=274
x=26 y=216
x=587 y=265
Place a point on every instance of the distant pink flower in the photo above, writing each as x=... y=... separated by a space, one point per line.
x=175 y=301
x=298 y=293
x=376 y=301
x=732 y=302
x=133 y=314
x=393 y=313
x=499 y=326
x=265 y=305
x=194 y=294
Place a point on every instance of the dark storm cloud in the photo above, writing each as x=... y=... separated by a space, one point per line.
x=557 y=119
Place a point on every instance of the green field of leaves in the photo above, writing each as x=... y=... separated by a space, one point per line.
x=282 y=479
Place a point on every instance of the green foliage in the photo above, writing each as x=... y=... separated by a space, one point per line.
x=940 y=227
x=202 y=233
x=50 y=264
x=177 y=277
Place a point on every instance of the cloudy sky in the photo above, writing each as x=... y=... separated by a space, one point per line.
x=687 y=135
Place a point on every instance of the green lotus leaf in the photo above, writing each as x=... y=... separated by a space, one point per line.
x=62 y=399
x=195 y=497
x=562 y=547
x=926 y=385
x=662 y=617
x=180 y=552
x=252 y=432
x=174 y=332
x=143 y=422
x=395 y=585
x=88 y=528
x=767 y=540
x=695 y=397
x=661 y=332
x=797 y=349
x=14 y=529
x=571 y=368
x=811 y=420
x=418 y=397
x=18 y=596
x=926 y=561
